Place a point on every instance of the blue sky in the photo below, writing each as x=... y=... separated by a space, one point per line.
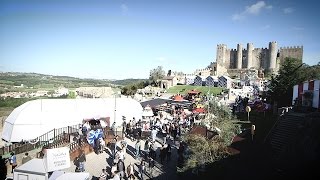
x=117 y=39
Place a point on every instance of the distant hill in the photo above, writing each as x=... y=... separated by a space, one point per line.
x=39 y=81
x=125 y=82
x=8 y=81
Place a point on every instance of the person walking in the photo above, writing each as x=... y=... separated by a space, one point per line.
x=82 y=160
x=163 y=154
x=154 y=134
x=168 y=152
x=103 y=175
x=26 y=158
x=13 y=161
x=146 y=149
x=137 y=147
x=102 y=145
x=142 y=169
x=3 y=167
x=121 y=169
x=130 y=171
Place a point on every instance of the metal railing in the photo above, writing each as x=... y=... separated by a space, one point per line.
x=281 y=113
x=108 y=136
x=51 y=139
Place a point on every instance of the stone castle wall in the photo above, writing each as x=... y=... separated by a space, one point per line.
x=268 y=59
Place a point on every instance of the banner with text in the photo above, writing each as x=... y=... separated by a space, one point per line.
x=57 y=159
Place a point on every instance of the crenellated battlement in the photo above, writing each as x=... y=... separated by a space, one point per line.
x=251 y=57
x=291 y=48
x=188 y=75
x=203 y=70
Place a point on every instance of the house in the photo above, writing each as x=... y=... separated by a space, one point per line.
x=189 y=79
x=171 y=80
x=307 y=93
x=199 y=81
x=225 y=82
x=212 y=81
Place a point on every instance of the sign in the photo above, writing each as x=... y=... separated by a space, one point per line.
x=248 y=109
x=57 y=159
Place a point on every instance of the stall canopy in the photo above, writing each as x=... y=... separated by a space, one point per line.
x=178 y=98
x=193 y=92
x=147 y=112
x=37 y=117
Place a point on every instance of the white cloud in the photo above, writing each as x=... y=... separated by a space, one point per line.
x=237 y=17
x=265 y=27
x=297 y=28
x=161 y=59
x=288 y=10
x=254 y=9
x=124 y=9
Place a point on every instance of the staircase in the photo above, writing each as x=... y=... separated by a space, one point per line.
x=283 y=134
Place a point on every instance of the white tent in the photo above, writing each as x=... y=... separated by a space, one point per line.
x=37 y=117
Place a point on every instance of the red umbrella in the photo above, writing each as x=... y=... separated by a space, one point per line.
x=199 y=110
x=178 y=98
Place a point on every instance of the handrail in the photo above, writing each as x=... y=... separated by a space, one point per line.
x=284 y=111
x=52 y=138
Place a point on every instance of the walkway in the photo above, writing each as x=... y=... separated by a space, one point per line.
x=96 y=162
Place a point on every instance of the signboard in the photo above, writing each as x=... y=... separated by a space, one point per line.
x=57 y=159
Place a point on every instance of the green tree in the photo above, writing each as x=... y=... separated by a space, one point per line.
x=281 y=85
x=72 y=95
x=202 y=151
x=156 y=74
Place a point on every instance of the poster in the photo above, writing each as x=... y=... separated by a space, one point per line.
x=57 y=158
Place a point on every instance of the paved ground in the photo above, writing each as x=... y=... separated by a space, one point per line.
x=96 y=162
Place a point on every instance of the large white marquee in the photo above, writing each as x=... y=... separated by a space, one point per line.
x=37 y=117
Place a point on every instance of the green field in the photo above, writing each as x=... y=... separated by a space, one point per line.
x=183 y=89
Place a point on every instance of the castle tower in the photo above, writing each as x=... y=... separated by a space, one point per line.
x=221 y=59
x=239 y=56
x=221 y=53
x=272 y=56
x=249 y=55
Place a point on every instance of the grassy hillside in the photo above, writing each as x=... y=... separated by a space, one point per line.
x=41 y=81
x=125 y=82
x=183 y=89
x=33 y=82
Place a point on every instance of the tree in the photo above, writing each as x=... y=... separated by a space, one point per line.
x=156 y=74
x=281 y=85
x=202 y=151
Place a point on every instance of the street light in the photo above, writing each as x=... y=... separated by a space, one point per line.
x=115 y=104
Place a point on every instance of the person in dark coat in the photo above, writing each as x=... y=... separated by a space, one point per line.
x=3 y=168
x=168 y=152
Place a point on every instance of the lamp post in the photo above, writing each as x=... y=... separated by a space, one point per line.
x=115 y=105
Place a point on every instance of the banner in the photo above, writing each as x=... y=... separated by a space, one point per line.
x=57 y=159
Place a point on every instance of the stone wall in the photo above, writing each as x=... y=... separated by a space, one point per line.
x=258 y=58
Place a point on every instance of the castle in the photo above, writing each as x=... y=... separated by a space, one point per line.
x=233 y=61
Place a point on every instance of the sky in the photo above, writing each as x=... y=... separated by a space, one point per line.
x=119 y=39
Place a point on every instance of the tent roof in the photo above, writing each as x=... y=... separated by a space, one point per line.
x=154 y=102
x=178 y=98
x=193 y=92
x=38 y=117
x=34 y=165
